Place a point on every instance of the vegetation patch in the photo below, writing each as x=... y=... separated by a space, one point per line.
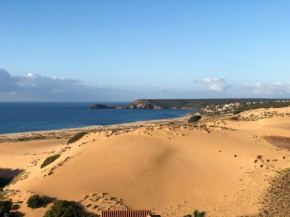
x=49 y=160
x=194 y=118
x=276 y=201
x=196 y=213
x=189 y=103
x=76 y=137
x=15 y=206
x=262 y=105
x=37 y=201
x=65 y=208
x=5 y=207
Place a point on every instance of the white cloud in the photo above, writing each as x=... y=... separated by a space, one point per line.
x=7 y=83
x=216 y=84
x=258 y=89
x=276 y=88
x=33 y=87
x=58 y=78
x=37 y=87
x=44 y=83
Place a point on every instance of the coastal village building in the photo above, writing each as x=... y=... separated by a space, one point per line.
x=126 y=213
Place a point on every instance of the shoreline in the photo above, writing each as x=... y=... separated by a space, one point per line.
x=66 y=133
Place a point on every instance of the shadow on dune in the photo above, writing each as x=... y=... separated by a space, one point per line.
x=279 y=141
x=7 y=175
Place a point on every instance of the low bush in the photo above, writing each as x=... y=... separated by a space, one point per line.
x=49 y=160
x=194 y=118
x=37 y=201
x=5 y=207
x=76 y=137
x=196 y=213
x=15 y=206
x=236 y=112
x=65 y=208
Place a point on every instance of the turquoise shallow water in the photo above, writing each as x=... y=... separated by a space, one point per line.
x=24 y=117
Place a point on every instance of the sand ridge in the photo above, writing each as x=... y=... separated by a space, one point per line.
x=222 y=165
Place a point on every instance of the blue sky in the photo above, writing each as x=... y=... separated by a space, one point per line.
x=144 y=49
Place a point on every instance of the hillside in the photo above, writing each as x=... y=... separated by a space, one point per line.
x=184 y=103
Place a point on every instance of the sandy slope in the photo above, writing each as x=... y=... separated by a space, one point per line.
x=171 y=170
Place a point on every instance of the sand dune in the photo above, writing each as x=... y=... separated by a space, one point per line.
x=170 y=169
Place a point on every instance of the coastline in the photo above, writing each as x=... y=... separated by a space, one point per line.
x=66 y=133
x=36 y=117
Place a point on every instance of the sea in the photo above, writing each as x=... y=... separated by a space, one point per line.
x=34 y=116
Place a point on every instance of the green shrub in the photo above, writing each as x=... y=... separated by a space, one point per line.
x=65 y=208
x=15 y=206
x=194 y=118
x=49 y=160
x=18 y=214
x=196 y=213
x=37 y=201
x=76 y=137
x=237 y=112
x=5 y=207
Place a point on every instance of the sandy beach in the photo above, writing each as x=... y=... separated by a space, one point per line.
x=223 y=165
x=68 y=133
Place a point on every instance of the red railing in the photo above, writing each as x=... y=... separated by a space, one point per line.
x=126 y=213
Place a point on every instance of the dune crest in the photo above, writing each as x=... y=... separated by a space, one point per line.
x=221 y=165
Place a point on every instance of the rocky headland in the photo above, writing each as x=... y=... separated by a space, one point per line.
x=102 y=106
x=213 y=106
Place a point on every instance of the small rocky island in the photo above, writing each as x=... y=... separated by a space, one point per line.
x=102 y=106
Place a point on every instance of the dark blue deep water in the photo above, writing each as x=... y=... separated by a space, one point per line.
x=24 y=117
